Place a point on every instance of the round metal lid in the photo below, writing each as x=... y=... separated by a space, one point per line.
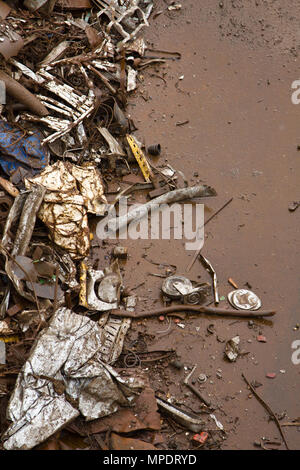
x=170 y=290
x=244 y=299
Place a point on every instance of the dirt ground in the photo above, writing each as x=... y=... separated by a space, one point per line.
x=233 y=86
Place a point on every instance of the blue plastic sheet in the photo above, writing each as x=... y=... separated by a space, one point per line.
x=18 y=149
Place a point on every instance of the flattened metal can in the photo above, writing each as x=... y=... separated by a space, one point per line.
x=244 y=299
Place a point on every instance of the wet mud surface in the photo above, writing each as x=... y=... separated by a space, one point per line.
x=224 y=117
x=233 y=86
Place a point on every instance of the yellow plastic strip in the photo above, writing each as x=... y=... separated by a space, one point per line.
x=9 y=339
x=140 y=158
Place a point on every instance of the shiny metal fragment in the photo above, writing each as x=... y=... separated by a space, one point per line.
x=2 y=354
x=130 y=302
x=108 y=292
x=120 y=252
x=188 y=420
x=114 y=146
x=113 y=334
x=5 y=329
x=181 y=288
x=232 y=348
x=24 y=211
x=139 y=46
x=81 y=105
x=12 y=219
x=66 y=360
x=131 y=79
x=175 y=286
x=244 y=299
x=55 y=53
x=72 y=192
x=213 y=273
x=27 y=71
x=27 y=221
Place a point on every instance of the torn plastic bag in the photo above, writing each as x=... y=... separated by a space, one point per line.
x=72 y=192
x=19 y=150
x=66 y=364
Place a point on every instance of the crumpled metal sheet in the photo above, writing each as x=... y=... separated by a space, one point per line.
x=66 y=360
x=72 y=192
x=19 y=150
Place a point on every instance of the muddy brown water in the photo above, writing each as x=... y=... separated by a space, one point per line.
x=236 y=71
x=233 y=86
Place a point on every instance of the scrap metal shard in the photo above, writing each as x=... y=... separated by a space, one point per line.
x=72 y=192
x=65 y=375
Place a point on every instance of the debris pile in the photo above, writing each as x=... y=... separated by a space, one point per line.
x=67 y=69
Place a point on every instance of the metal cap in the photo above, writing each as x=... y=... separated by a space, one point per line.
x=244 y=299
x=169 y=289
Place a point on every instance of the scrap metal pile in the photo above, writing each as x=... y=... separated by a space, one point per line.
x=67 y=68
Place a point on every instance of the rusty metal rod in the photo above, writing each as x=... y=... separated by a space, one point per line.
x=195 y=309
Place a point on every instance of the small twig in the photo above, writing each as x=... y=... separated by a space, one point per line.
x=268 y=409
x=205 y=223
